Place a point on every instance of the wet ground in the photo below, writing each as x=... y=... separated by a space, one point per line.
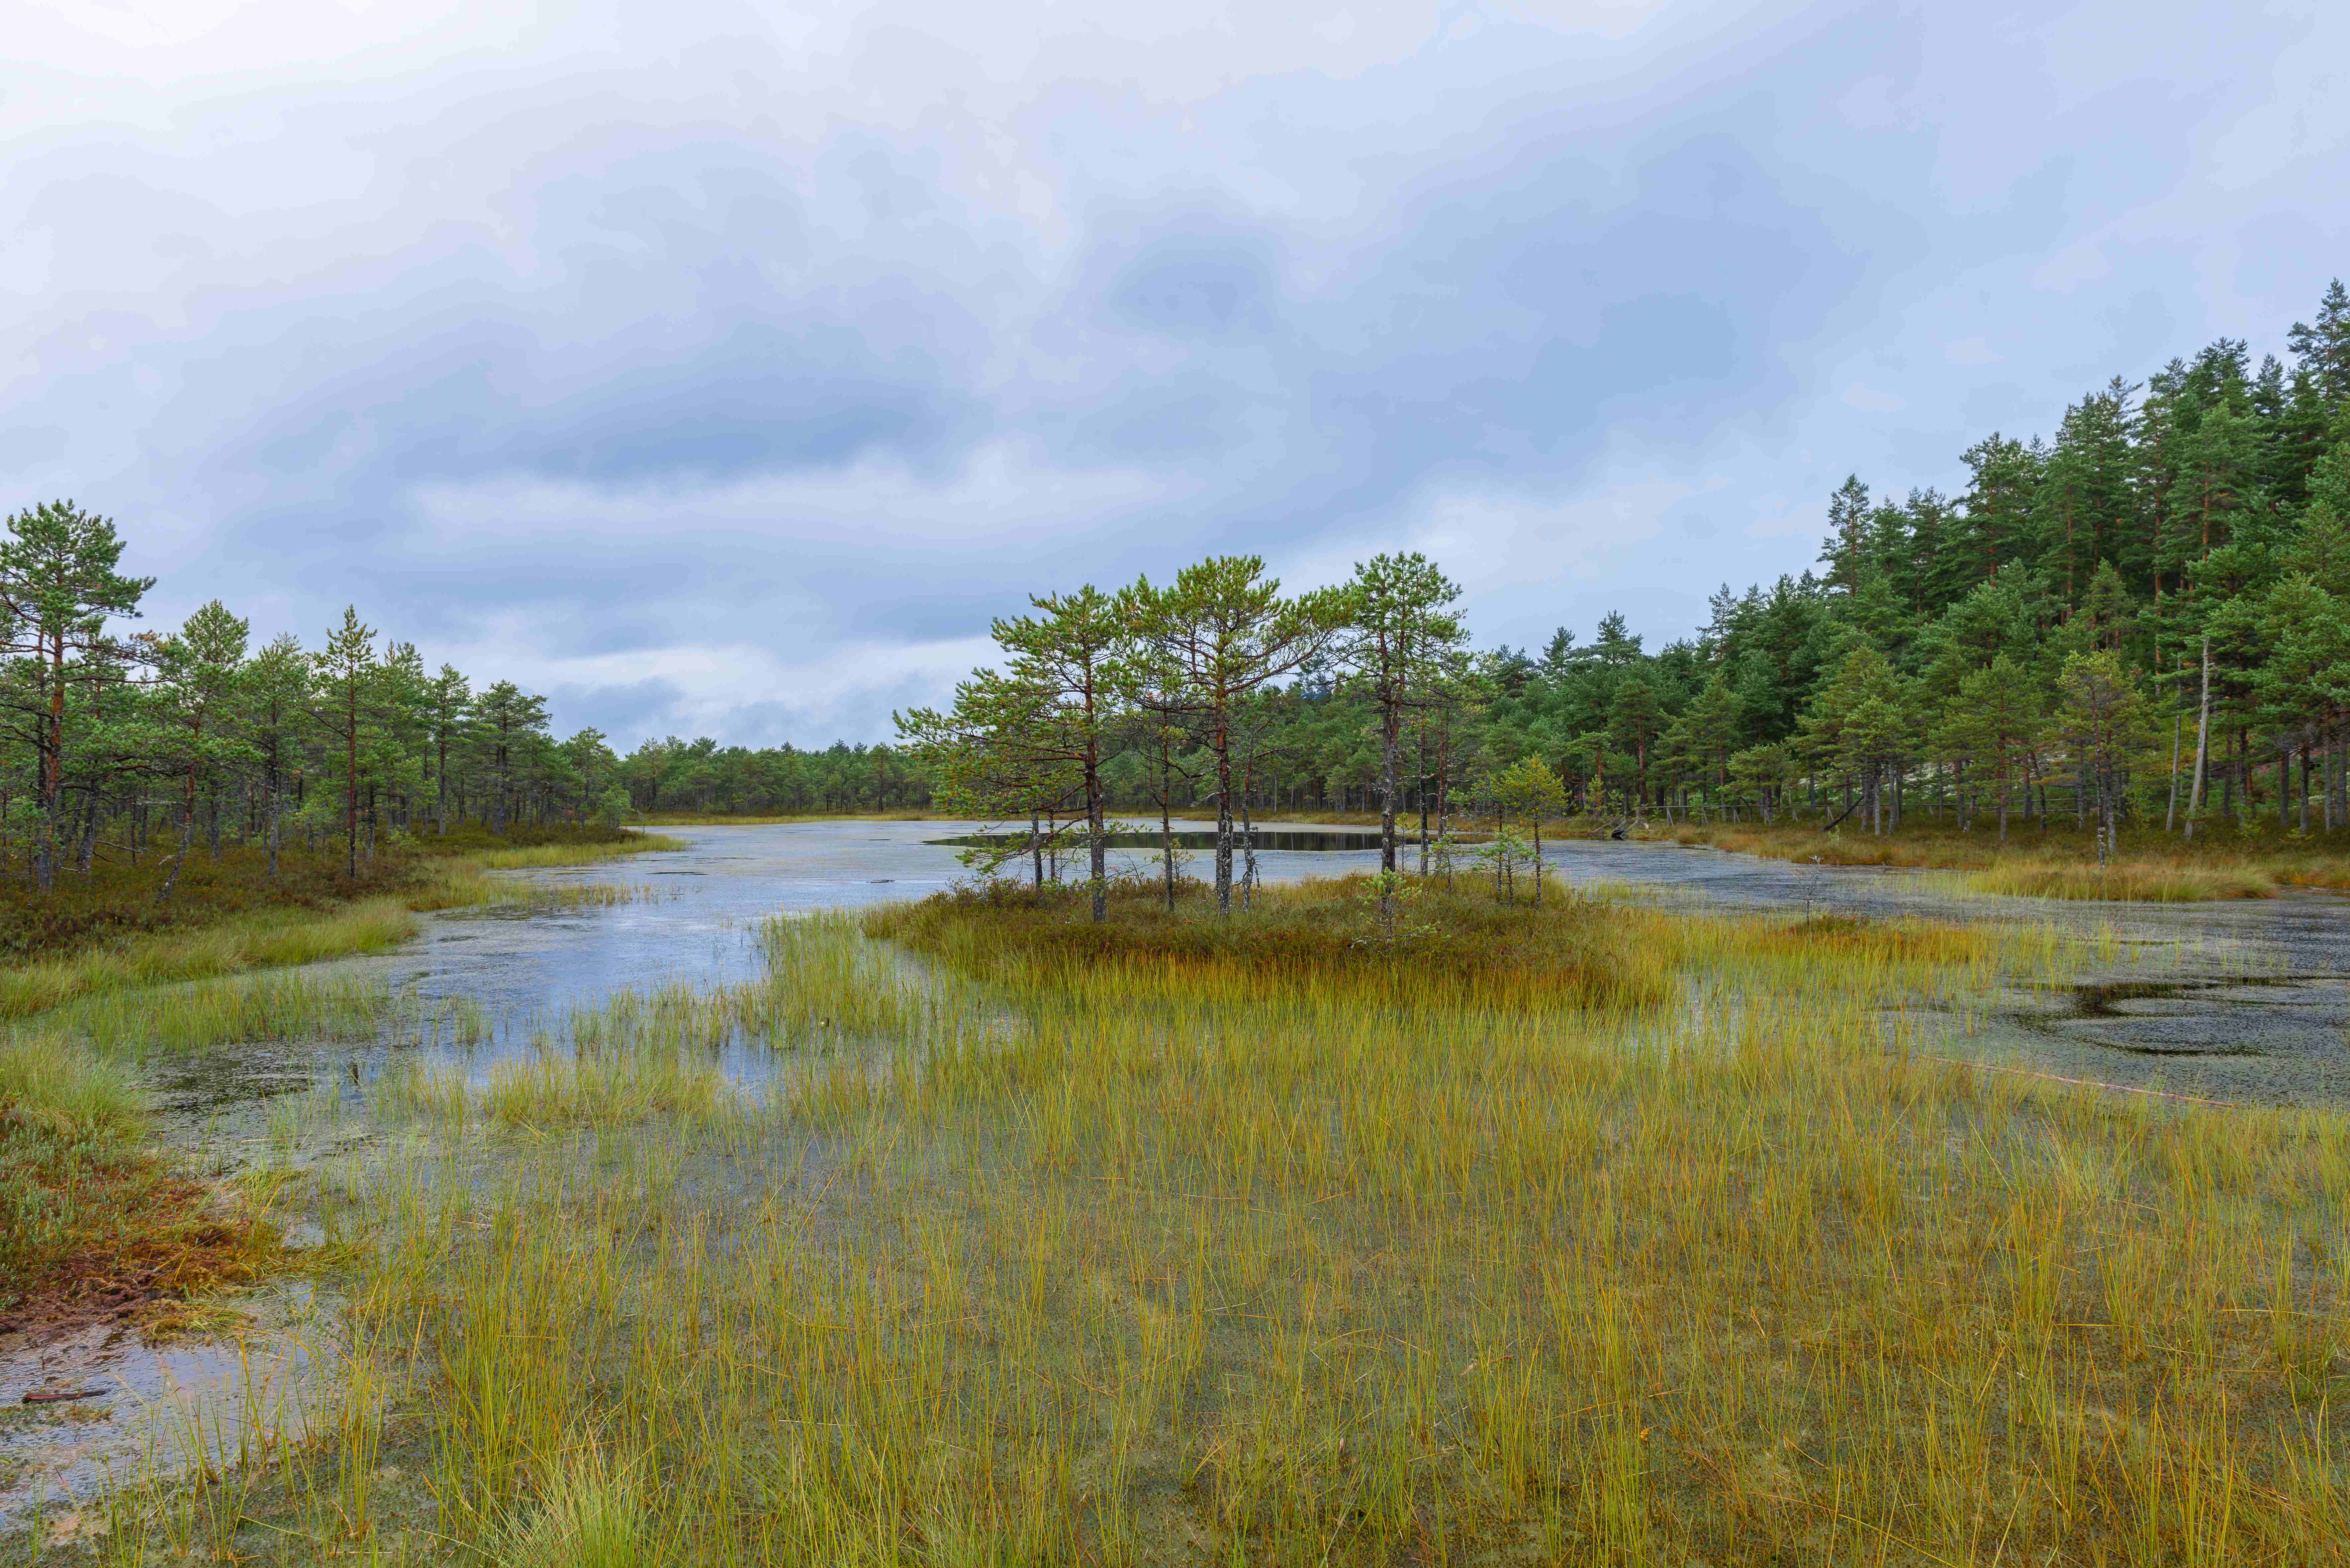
x=2244 y=1001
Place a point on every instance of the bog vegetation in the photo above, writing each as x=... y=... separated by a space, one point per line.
x=1439 y=1214
x=1192 y=1237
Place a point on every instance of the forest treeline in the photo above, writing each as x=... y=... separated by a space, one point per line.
x=2145 y=616
x=133 y=744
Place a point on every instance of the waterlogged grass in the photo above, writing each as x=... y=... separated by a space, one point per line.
x=552 y=1088
x=1322 y=944
x=44 y=1081
x=2152 y=884
x=2060 y=863
x=542 y=856
x=95 y=1222
x=1463 y=948
x=202 y=1015
x=591 y=1514
x=1168 y=1247
x=95 y=1225
x=771 y=819
x=276 y=936
x=257 y=941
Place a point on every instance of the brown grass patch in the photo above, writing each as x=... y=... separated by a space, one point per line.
x=120 y=1235
x=1443 y=948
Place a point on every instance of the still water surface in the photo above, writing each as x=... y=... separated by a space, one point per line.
x=2239 y=999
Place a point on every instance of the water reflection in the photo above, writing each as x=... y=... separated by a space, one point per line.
x=1301 y=840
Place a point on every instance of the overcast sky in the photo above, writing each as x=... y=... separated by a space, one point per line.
x=722 y=373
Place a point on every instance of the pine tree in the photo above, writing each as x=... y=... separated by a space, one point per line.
x=1850 y=551
x=1998 y=524
x=1988 y=726
x=1221 y=631
x=199 y=673
x=2323 y=349
x=339 y=700
x=1400 y=633
x=58 y=587
x=2100 y=723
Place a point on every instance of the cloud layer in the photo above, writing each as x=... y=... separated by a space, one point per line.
x=721 y=374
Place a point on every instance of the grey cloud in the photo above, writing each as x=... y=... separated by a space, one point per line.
x=1301 y=311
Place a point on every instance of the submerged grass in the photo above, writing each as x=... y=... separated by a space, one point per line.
x=1164 y=1244
x=552 y=1088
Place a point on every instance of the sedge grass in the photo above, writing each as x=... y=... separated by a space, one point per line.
x=543 y=856
x=260 y=941
x=1211 y=1263
x=2150 y=883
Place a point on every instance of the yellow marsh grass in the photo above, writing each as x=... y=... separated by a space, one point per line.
x=823 y=984
x=592 y=1515
x=541 y=856
x=52 y=1082
x=200 y=1015
x=263 y=941
x=1316 y=946
x=2154 y=883
x=205 y=1015
x=1165 y=1275
x=2061 y=864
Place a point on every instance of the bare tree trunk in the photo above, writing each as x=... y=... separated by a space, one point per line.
x=1390 y=736
x=1248 y=853
x=178 y=858
x=1166 y=825
x=2202 y=742
x=2177 y=728
x=1501 y=856
x=1423 y=794
x=88 y=856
